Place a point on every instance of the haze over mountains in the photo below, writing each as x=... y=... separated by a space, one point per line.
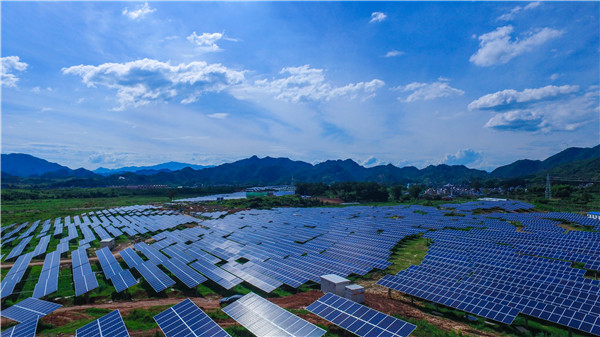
x=583 y=163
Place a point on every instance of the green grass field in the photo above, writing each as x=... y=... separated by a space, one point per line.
x=41 y=209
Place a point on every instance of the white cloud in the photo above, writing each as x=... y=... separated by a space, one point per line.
x=206 y=40
x=309 y=84
x=377 y=17
x=139 y=13
x=371 y=162
x=428 y=91
x=394 y=53
x=145 y=81
x=511 y=96
x=461 y=157
x=554 y=77
x=497 y=47
x=510 y=15
x=106 y=158
x=218 y=115
x=10 y=64
x=566 y=114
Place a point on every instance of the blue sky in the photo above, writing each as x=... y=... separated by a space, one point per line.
x=90 y=84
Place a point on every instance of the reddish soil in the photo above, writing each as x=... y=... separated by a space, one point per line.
x=334 y=201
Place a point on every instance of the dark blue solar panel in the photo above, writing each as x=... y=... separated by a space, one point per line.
x=157 y=279
x=15 y=274
x=186 y=319
x=25 y=329
x=131 y=258
x=187 y=275
x=110 y=265
x=84 y=279
x=29 y=309
x=47 y=283
x=110 y=325
x=216 y=274
x=123 y=280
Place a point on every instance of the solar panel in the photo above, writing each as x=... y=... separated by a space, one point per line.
x=186 y=319
x=42 y=246
x=25 y=329
x=110 y=325
x=15 y=274
x=264 y=318
x=130 y=257
x=84 y=278
x=216 y=274
x=28 y=309
x=109 y=264
x=359 y=319
x=19 y=248
x=187 y=275
x=157 y=279
x=123 y=280
x=47 y=283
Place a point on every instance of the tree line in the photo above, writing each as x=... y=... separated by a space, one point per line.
x=359 y=191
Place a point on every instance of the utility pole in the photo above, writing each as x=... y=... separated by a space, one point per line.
x=548 y=187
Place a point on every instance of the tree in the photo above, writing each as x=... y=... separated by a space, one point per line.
x=414 y=191
x=396 y=192
x=476 y=184
x=171 y=193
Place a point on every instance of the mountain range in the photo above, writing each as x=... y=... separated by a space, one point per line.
x=148 y=170
x=584 y=163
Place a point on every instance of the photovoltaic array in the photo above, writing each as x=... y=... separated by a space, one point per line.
x=83 y=276
x=264 y=318
x=494 y=265
x=186 y=319
x=110 y=325
x=48 y=281
x=15 y=274
x=25 y=329
x=359 y=319
x=29 y=309
x=121 y=278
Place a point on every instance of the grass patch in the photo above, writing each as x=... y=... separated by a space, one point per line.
x=217 y=314
x=143 y=319
x=409 y=251
x=238 y=331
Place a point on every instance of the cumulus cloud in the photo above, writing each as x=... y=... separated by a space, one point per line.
x=394 y=53
x=145 y=81
x=498 y=47
x=139 y=13
x=428 y=91
x=371 y=162
x=564 y=113
x=308 y=84
x=461 y=157
x=9 y=65
x=515 y=10
x=106 y=158
x=377 y=17
x=206 y=40
x=218 y=115
x=511 y=96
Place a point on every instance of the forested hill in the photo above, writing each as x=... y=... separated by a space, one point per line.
x=24 y=169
